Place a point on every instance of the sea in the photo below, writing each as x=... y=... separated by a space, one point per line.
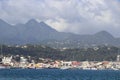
x=58 y=74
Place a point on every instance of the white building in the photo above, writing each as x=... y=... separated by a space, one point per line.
x=23 y=62
x=66 y=64
x=118 y=57
x=7 y=60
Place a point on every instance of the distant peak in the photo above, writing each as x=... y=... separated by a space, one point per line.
x=32 y=21
x=104 y=33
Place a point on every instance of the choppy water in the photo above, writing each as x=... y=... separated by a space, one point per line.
x=57 y=74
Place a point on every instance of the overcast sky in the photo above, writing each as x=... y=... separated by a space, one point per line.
x=77 y=16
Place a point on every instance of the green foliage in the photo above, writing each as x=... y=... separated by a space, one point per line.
x=37 y=51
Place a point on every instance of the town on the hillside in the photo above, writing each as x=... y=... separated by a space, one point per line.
x=40 y=57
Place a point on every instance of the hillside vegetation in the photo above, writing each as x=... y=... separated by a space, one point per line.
x=80 y=54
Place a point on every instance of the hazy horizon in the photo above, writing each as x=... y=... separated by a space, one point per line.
x=76 y=16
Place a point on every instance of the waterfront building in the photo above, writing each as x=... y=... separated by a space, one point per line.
x=66 y=64
x=23 y=62
x=75 y=64
x=7 y=60
x=85 y=64
x=118 y=58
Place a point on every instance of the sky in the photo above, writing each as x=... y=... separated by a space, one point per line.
x=76 y=16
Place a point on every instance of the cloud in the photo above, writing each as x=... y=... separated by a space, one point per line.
x=77 y=16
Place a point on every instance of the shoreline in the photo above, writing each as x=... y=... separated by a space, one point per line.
x=58 y=69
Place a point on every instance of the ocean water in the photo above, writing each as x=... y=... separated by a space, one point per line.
x=57 y=74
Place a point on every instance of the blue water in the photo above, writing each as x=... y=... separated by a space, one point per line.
x=57 y=74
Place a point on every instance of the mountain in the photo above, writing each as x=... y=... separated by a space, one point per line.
x=34 y=32
x=7 y=32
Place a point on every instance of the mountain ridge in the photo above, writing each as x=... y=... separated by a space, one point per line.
x=33 y=32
